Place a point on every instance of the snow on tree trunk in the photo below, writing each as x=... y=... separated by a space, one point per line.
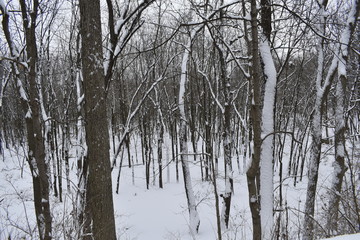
x=226 y=134
x=339 y=164
x=252 y=172
x=315 y=149
x=194 y=220
x=160 y=126
x=313 y=169
x=322 y=89
x=225 y=214
x=267 y=129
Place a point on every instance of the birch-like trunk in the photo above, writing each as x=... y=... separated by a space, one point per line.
x=194 y=220
x=267 y=124
x=267 y=130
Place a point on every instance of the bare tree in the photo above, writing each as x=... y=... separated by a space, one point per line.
x=193 y=214
x=32 y=110
x=252 y=173
x=323 y=84
x=340 y=128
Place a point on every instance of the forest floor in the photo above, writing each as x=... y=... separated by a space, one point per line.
x=154 y=213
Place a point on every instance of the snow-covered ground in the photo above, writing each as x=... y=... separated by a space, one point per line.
x=143 y=214
x=162 y=213
x=346 y=237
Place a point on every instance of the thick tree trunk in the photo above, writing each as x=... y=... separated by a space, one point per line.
x=99 y=200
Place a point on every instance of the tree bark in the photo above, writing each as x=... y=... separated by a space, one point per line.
x=99 y=200
x=226 y=134
x=34 y=125
x=252 y=173
x=322 y=89
x=194 y=220
x=340 y=128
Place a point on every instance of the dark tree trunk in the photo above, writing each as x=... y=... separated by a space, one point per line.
x=255 y=133
x=36 y=156
x=99 y=200
x=160 y=146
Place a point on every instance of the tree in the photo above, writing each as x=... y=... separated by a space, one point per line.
x=261 y=173
x=323 y=84
x=252 y=173
x=267 y=124
x=193 y=214
x=340 y=128
x=32 y=112
x=261 y=80
x=99 y=209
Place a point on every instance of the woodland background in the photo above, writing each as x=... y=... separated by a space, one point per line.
x=238 y=102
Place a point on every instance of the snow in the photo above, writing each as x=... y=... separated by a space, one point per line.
x=118 y=25
x=346 y=34
x=266 y=160
x=163 y=213
x=183 y=78
x=346 y=237
x=80 y=99
x=21 y=90
x=3 y=5
x=143 y=214
x=28 y=114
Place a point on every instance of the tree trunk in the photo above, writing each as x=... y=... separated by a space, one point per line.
x=340 y=129
x=193 y=214
x=339 y=163
x=36 y=156
x=99 y=199
x=267 y=126
x=160 y=149
x=322 y=89
x=252 y=173
x=226 y=134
